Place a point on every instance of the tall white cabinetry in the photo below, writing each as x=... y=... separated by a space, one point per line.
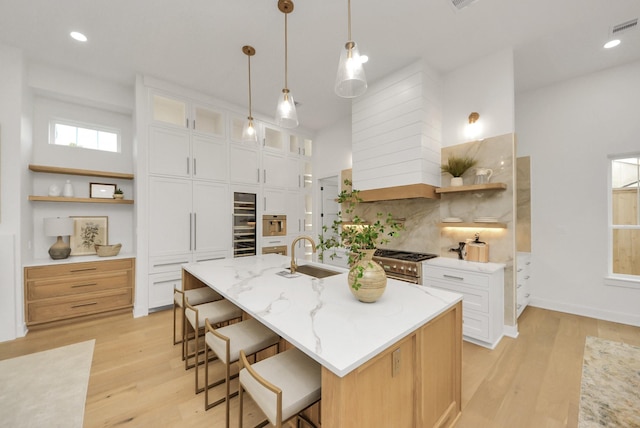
x=482 y=288
x=189 y=204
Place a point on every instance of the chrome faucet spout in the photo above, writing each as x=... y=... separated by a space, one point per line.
x=294 y=265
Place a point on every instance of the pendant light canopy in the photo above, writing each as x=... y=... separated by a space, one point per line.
x=350 y=80
x=248 y=130
x=286 y=115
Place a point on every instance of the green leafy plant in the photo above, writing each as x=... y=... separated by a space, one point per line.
x=118 y=191
x=354 y=233
x=457 y=166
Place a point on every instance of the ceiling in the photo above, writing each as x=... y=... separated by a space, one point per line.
x=197 y=43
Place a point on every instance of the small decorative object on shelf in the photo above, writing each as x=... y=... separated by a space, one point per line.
x=54 y=190
x=456 y=167
x=87 y=232
x=118 y=193
x=59 y=227
x=107 y=250
x=67 y=191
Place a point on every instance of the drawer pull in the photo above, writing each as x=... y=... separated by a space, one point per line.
x=527 y=277
x=169 y=264
x=519 y=285
x=82 y=270
x=84 y=285
x=84 y=304
x=459 y=278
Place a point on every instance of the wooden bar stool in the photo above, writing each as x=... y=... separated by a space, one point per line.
x=217 y=312
x=282 y=386
x=196 y=296
x=250 y=336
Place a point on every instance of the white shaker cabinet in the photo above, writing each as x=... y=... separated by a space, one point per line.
x=523 y=275
x=244 y=165
x=482 y=288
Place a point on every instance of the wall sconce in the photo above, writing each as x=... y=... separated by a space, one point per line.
x=248 y=130
x=474 y=128
x=59 y=226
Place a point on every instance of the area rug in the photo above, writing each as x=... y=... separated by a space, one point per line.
x=46 y=389
x=610 y=388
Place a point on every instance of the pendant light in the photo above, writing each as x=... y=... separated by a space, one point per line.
x=248 y=130
x=286 y=115
x=350 y=80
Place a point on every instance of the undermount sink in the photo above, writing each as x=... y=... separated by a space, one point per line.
x=315 y=271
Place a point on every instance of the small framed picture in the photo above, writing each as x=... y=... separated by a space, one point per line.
x=88 y=231
x=101 y=190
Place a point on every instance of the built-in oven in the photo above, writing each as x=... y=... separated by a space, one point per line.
x=274 y=225
x=402 y=265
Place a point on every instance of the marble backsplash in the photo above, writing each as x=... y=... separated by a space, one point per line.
x=422 y=216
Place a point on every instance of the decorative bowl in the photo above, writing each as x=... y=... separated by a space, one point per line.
x=108 y=250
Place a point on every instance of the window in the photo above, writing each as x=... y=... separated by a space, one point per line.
x=85 y=136
x=625 y=216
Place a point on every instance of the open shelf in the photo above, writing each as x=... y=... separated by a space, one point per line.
x=80 y=200
x=74 y=171
x=472 y=188
x=476 y=225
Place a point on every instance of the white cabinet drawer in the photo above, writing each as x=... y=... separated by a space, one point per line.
x=171 y=263
x=454 y=275
x=473 y=298
x=475 y=325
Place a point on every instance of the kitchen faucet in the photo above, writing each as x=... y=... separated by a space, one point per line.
x=294 y=266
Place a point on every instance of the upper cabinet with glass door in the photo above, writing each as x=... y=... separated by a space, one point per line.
x=300 y=145
x=273 y=138
x=185 y=114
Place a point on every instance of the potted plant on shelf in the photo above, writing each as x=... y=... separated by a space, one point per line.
x=456 y=166
x=367 y=280
x=118 y=193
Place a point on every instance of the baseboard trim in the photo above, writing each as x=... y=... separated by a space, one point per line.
x=586 y=311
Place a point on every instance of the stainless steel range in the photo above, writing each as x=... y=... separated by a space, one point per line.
x=402 y=265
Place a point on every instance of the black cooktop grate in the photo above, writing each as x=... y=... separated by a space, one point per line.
x=404 y=255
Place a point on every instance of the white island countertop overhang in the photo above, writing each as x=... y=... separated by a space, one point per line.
x=320 y=316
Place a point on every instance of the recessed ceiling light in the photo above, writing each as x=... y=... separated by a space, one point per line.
x=78 y=36
x=612 y=44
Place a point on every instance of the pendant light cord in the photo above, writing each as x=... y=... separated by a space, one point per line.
x=286 y=49
x=349 y=14
x=249 y=59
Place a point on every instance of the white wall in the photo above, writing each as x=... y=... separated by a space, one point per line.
x=485 y=86
x=332 y=149
x=568 y=129
x=11 y=111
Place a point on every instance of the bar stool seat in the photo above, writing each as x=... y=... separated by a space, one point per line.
x=282 y=385
x=226 y=342
x=196 y=296
x=216 y=312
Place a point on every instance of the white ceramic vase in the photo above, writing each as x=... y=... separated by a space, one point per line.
x=456 y=181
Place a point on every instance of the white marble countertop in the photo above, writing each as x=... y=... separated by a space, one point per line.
x=448 y=262
x=320 y=316
x=76 y=259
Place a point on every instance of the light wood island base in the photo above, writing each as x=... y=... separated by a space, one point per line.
x=414 y=383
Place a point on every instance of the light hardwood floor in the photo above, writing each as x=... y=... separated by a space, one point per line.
x=138 y=379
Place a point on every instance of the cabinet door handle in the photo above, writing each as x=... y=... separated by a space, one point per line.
x=265 y=203
x=519 y=285
x=84 y=304
x=527 y=295
x=527 y=277
x=459 y=278
x=190 y=231
x=187 y=165
x=194 y=167
x=170 y=263
x=258 y=174
x=264 y=176
x=84 y=285
x=83 y=269
x=194 y=124
x=195 y=232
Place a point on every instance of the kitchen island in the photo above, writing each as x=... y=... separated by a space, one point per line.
x=396 y=362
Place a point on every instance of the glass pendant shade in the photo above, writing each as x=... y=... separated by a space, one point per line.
x=249 y=133
x=286 y=115
x=350 y=80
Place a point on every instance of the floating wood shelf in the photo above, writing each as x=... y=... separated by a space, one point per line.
x=74 y=171
x=472 y=188
x=80 y=200
x=476 y=225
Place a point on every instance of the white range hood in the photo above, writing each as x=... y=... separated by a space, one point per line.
x=396 y=136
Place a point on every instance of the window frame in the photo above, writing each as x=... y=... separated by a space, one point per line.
x=53 y=121
x=612 y=278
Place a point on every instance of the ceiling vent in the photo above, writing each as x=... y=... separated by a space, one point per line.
x=620 y=28
x=461 y=4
